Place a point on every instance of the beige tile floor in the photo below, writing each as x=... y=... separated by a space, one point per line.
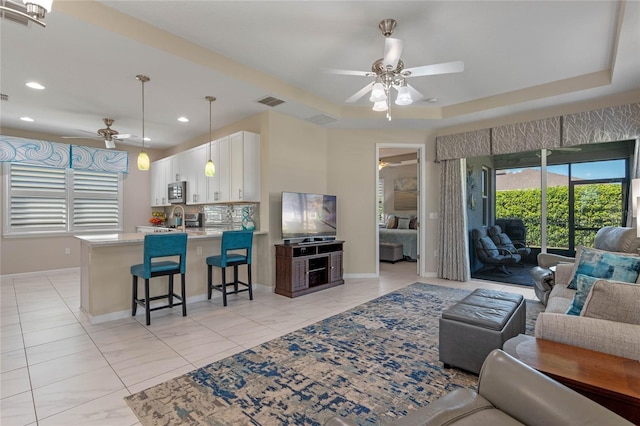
x=58 y=369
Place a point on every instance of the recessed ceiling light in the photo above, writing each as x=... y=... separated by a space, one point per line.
x=431 y=100
x=29 y=119
x=147 y=139
x=34 y=85
x=183 y=119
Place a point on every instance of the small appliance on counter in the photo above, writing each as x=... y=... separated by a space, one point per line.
x=193 y=220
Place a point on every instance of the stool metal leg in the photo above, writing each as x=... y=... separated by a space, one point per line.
x=250 y=285
x=209 y=281
x=147 y=308
x=171 y=291
x=224 y=286
x=184 y=295
x=235 y=278
x=134 y=301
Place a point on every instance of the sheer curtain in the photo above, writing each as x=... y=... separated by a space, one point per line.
x=453 y=242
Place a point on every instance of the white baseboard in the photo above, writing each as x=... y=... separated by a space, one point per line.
x=347 y=276
x=40 y=273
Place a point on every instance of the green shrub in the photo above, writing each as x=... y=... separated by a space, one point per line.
x=596 y=205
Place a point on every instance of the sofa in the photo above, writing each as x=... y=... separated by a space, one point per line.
x=509 y=393
x=608 y=320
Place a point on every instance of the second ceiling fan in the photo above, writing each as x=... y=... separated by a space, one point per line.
x=389 y=72
x=108 y=135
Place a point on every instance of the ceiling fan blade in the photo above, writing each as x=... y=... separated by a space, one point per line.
x=122 y=136
x=80 y=137
x=444 y=68
x=348 y=72
x=392 y=51
x=360 y=93
x=415 y=95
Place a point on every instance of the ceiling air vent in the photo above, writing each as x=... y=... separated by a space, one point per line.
x=12 y=16
x=321 y=119
x=4 y=97
x=270 y=101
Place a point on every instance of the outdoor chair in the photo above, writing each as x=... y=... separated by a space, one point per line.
x=490 y=255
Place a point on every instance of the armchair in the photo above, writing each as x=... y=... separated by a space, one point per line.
x=509 y=393
x=502 y=240
x=491 y=255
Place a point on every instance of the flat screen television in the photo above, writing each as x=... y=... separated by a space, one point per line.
x=310 y=216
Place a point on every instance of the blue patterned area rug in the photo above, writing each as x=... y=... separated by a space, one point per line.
x=373 y=363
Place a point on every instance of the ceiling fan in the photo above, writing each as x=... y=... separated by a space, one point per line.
x=389 y=72
x=108 y=135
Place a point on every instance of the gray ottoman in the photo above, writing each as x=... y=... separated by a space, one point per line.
x=478 y=324
x=391 y=252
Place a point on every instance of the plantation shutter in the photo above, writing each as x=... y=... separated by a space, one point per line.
x=38 y=199
x=46 y=200
x=95 y=200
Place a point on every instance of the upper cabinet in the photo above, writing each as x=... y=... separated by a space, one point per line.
x=237 y=178
x=192 y=163
x=245 y=166
x=159 y=183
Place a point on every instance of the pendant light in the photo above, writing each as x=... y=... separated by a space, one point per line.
x=143 y=158
x=210 y=168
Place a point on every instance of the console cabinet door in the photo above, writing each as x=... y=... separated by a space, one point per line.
x=299 y=279
x=336 y=267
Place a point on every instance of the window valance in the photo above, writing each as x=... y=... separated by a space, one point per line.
x=34 y=152
x=59 y=155
x=603 y=125
x=463 y=145
x=528 y=136
x=99 y=160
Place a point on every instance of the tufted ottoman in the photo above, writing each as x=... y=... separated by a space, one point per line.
x=391 y=252
x=478 y=324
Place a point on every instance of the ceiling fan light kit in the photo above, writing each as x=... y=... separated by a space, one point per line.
x=36 y=10
x=389 y=73
x=210 y=168
x=143 y=158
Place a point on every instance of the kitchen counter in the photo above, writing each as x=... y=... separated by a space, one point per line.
x=105 y=270
x=138 y=237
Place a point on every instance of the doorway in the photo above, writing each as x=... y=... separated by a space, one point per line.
x=399 y=207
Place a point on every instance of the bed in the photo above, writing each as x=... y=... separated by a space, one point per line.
x=407 y=237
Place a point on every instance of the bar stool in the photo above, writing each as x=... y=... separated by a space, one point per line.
x=231 y=240
x=156 y=246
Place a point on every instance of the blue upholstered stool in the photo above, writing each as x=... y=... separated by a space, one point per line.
x=157 y=246
x=231 y=240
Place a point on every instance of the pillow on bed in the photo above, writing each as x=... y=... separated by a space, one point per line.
x=403 y=223
x=413 y=222
x=392 y=222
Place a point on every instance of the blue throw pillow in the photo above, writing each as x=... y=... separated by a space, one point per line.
x=603 y=264
x=584 y=283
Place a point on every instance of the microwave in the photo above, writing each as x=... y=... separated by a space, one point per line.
x=177 y=192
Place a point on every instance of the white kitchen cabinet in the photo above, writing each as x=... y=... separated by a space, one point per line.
x=218 y=185
x=244 y=159
x=192 y=163
x=159 y=183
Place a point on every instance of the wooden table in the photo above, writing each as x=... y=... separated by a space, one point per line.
x=611 y=381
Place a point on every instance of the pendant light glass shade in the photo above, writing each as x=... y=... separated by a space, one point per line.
x=143 y=161
x=143 y=158
x=210 y=168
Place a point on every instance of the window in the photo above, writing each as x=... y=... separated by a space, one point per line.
x=380 y=201
x=51 y=200
x=486 y=191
